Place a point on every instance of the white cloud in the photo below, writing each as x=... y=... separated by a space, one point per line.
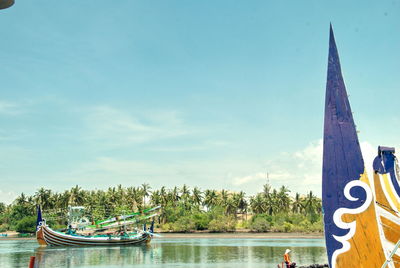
x=9 y=108
x=7 y=197
x=113 y=127
x=369 y=153
x=200 y=146
x=250 y=178
x=301 y=170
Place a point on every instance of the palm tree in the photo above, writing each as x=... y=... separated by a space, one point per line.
x=135 y=197
x=231 y=206
x=174 y=196
x=283 y=199
x=197 y=197
x=21 y=199
x=297 y=205
x=121 y=194
x=267 y=191
x=185 y=197
x=112 y=196
x=42 y=197
x=310 y=203
x=257 y=204
x=63 y=200
x=155 y=198
x=77 y=196
x=210 y=199
x=224 y=195
x=185 y=191
x=90 y=201
x=145 y=192
x=272 y=204
x=164 y=196
x=241 y=202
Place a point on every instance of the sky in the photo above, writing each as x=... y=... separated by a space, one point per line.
x=215 y=94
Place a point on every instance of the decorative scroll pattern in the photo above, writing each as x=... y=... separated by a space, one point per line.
x=337 y=217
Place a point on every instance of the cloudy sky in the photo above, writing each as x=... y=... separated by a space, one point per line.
x=206 y=93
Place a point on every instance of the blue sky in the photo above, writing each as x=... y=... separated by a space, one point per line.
x=204 y=93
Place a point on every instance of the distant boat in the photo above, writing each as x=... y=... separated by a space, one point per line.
x=362 y=224
x=49 y=237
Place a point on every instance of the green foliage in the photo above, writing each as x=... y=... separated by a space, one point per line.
x=183 y=209
x=260 y=223
x=3 y=228
x=166 y=227
x=287 y=227
x=201 y=220
x=184 y=225
x=26 y=225
x=222 y=224
x=19 y=212
x=2 y=207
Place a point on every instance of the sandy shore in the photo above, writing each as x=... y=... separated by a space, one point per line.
x=241 y=235
x=203 y=235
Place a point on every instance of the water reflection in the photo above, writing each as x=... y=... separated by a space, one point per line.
x=92 y=256
x=210 y=253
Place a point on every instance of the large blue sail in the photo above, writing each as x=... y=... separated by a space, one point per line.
x=342 y=158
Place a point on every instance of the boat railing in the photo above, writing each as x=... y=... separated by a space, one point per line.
x=396 y=247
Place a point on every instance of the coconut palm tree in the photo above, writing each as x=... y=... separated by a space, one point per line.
x=77 y=196
x=210 y=199
x=297 y=204
x=42 y=197
x=223 y=198
x=310 y=203
x=164 y=196
x=241 y=202
x=155 y=198
x=197 y=197
x=174 y=196
x=283 y=199
x=257 y=204
x=231 y=206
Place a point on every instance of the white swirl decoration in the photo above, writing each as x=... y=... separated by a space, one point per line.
x=351 y=226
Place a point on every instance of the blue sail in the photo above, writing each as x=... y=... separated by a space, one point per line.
x=342 y=158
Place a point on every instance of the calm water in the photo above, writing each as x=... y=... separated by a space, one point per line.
x=168 y=252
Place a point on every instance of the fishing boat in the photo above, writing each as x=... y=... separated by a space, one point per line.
x=361 y=217
x=49 y=237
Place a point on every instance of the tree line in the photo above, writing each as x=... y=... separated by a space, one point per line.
x=182 y=209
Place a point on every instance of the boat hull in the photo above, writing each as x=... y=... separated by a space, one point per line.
x=48 y=237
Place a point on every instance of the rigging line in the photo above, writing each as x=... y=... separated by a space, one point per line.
x=382 y=205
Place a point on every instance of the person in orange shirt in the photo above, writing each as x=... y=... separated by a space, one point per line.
x=286 y=258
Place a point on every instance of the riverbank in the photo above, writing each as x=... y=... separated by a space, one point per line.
x=238 y=235
x=203 y=235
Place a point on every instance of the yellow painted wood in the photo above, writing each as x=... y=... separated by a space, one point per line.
x=365 y=246
x=391 y=230
x=389 y=189
x=40 y=238
x=380 y=195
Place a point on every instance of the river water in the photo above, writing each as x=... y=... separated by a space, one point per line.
x=168 y=252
